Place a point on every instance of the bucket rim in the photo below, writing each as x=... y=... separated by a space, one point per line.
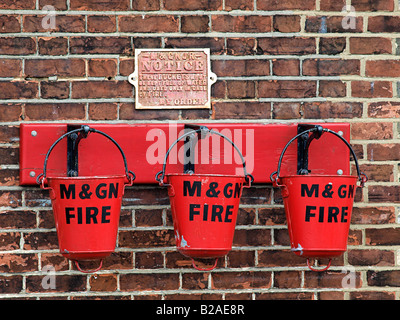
x=88 y=177
x=204 y=175
x=317 y=176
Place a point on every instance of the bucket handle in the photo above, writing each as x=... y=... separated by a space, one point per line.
x=85 y=129
x=88 y=271
x=318 y=270
x=362 y=177
x=247 y=176
x=205 y=269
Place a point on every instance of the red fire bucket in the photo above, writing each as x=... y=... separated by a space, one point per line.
x=204 y=208
x=318 y=208
x=86 y=209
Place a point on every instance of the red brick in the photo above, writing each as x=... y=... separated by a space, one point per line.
x=54 y=89
x=195 y=281
x=40 y=240
x=11 y=199
x=239 y=5
x=286 y=89
x=227 y=23
x=384 y=194
x=273 y=5
x=33 y=23
x=18 y=90
x=287 y=24
x=9 y=23
x=10 y=240
x=101 y=24
x=127 y=111
x=10 y=68
x=241 y=259
x=331 y=67
x=149 y=260
x=146 y=5
x=241 y=110
x=375 y=89
x=370 y=45
x=101 y=89
x=98 y=5
x=176 y=5
x=377 y=172
x=57 y=46
x=216 y=45
x=157 y=23
x=384 y=110
x=102 y=68
x=17 y=46
x=333 y=89
x=287 y=279
x=10 y=284
x=331 y=24
x=100 y=45
x=286 y=110
x=384 y=24
x=383 y=152
x=241 y=46
x=55 y=67
x=126 y=66
x=241 y=280
x=103 y=111
x=241 y=89
x=103 y=282
x=64 y=283
x=18 y=5
x=372 y=131
x=329 y=280
x=155 y=281
x=10 y=262
x=332 y=45
x=376 y=5
x=382 y=68
x=293 y=45
x=382 y=236
x=388 y=278
x=325 y=110
x=146 y=238
x=286 y=67
x=373 y=215
x=193 y=24
x=57 y=4
x=332 y=5
x=239 y=68
x=56 y=111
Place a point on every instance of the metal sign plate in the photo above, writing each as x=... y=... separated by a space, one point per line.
x=172 y=78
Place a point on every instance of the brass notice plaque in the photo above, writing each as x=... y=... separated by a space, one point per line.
x=172 y=78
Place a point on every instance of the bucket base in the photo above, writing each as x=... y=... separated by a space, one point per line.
x=319 y=253
x=204 y=253
x=86 y=255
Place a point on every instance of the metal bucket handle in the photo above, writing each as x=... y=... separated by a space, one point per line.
x=248 y=177
x=85 y=129
x=362 y=177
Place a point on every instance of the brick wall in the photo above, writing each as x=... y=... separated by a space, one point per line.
x=277 y=61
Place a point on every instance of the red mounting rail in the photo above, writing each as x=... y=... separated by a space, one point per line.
x=145 y=145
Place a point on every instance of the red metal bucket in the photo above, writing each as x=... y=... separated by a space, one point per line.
x=204 y=209
x=318 y=209
x=86 y=211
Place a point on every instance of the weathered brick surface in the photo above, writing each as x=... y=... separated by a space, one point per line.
x=277 y=61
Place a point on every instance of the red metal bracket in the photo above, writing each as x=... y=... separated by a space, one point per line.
x=145 y=145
